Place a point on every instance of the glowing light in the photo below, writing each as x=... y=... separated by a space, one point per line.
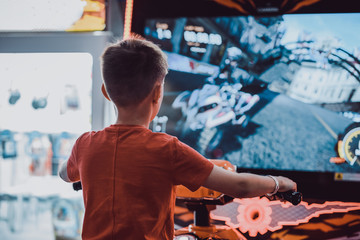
x=252 y=215
x=198 y=50
x=202 y=37
x=163 y=33
x=128 y=18
x=255 y=216
x=215 y=39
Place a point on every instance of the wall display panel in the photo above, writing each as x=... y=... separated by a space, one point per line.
x=50 y=93
x=46 y=92
x=54 y=15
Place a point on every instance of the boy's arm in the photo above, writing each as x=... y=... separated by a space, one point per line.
x=63 y=172
x=245 y=185
x=68 y=170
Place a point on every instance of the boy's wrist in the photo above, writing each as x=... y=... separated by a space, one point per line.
x=276 y=189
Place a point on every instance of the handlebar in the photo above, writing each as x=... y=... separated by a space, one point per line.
x=77 y=186
x=293 y=197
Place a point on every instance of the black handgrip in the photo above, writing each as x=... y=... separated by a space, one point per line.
x=77 y=186
x=293 y=197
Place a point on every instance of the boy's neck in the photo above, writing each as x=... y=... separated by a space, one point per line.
x=134 y=115
x=143 y=113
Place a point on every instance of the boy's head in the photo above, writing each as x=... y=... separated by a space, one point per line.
x=131 y=68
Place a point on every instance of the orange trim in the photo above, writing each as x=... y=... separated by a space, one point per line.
x=184 y=193
x=128 y=18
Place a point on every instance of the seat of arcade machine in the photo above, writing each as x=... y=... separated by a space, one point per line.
x=201 y=202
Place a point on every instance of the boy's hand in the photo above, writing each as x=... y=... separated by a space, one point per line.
x=287 y=191
x=286 y=184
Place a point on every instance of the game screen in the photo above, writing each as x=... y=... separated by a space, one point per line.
x=280 y=92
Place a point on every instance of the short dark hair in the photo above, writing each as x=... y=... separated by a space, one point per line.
x=130 y=69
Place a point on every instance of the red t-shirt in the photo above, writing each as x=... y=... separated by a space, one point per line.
x=128 y=175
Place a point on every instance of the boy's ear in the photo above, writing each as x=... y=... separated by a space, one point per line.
x=103 y=90
x=157 y=94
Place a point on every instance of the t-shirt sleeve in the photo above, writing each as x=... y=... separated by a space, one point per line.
x=191 y=169
x=72 y=164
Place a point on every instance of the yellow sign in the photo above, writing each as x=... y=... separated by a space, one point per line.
x=338 y=176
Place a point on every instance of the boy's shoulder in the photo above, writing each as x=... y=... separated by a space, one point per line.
x=84 y=137
x=141 y=131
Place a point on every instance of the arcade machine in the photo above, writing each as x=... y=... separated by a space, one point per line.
x=266 y=86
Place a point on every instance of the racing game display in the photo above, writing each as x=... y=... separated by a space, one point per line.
x=278 y=92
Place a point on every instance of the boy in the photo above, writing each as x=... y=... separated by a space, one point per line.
x=129 y=173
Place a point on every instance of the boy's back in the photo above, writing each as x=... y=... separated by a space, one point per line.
x=128 y=175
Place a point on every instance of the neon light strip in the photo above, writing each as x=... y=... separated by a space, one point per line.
x=128 y=18
x=314 y=210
